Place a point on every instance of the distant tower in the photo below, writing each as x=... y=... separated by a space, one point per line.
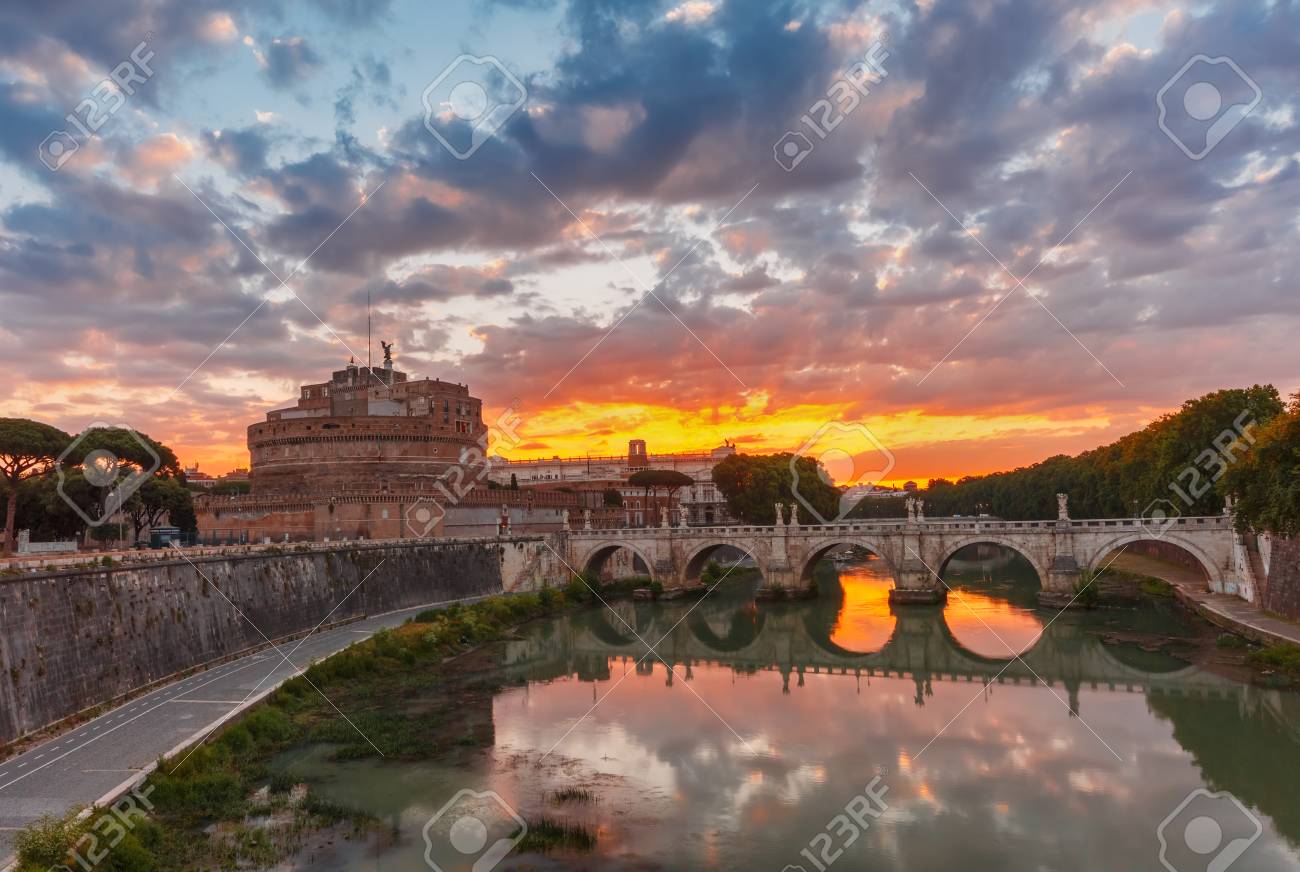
x=636 y=454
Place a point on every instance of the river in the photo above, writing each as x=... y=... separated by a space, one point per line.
x=742 y=740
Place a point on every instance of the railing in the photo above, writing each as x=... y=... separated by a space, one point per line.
x=92 y=561
x=1209 y=522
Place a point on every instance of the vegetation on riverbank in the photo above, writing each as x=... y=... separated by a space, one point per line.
x=220 y=805
x=545 y=835
x=1280 y=657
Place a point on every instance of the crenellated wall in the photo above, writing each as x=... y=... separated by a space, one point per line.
x=73 y=640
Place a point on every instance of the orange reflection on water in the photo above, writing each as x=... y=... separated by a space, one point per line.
x=990 y=627
x=864 y=623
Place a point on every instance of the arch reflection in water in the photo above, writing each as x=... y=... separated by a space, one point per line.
x=991 y=601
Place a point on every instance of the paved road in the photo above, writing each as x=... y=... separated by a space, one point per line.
x=81 y=766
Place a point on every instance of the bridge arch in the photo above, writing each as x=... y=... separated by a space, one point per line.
x=1207 y=565
x=818 y=549
x=700 y=556
x=950 y=549
x=593 y=561
x=743 y=627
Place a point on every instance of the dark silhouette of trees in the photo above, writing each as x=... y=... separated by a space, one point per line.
x=1266 y=482
x=753 y=484
x=27 y=449
x=1120 y=479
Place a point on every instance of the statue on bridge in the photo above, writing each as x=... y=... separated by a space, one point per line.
x=564 y=520
x=780 y=514
x=586 y=519
x=663 y=516
x=683 y=515
x=1062 y=507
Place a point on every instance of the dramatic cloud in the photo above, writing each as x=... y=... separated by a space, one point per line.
x=991 y=253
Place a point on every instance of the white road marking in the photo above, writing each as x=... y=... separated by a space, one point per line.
x=89 y=741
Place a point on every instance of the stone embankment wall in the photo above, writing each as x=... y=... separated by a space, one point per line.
x=1281 y=595
x=73 y=640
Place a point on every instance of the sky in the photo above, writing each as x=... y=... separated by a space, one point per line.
x=1005 y=229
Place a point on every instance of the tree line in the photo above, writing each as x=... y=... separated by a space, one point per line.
x=49 y=480
x=1242 y=442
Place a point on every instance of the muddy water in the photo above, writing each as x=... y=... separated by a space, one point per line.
x=737 y=744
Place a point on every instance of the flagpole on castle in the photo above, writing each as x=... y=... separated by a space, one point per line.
x=367 y=331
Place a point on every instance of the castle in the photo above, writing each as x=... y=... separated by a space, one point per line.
x=373 y=454
x=367 y=455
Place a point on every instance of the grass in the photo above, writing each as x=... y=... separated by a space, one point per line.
x=545 y=835
x=573 y=794
x=48 y=843
x=1280 y=657
x=715 y=572
x=203 y=800
x=1086 y=594
x=1156 y=587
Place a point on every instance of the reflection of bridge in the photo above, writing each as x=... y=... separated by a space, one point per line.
x=796 y=640
x=914 y=550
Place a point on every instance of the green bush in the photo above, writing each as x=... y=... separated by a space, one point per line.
x=1281 y=656
x=45 y=842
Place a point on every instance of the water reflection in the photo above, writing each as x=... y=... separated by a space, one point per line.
x=761 y=721
x=991 y=606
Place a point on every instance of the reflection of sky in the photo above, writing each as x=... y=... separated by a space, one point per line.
x=990 y=627
x=1013 y=782
x=718 y=768
x=981 y=624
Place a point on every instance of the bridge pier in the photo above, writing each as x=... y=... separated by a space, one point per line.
x=1061 y=586
x=915 y=585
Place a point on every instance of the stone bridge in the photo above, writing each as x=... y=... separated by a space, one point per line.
x=917 y=549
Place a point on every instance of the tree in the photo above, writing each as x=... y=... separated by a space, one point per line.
x=131 y=447
x=651 y=480
x=612 y=498
x=753 y=484
x=1265 y=482
x=514 y=481
x=1124 y=478
x=158 y=497
x=27 y=449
